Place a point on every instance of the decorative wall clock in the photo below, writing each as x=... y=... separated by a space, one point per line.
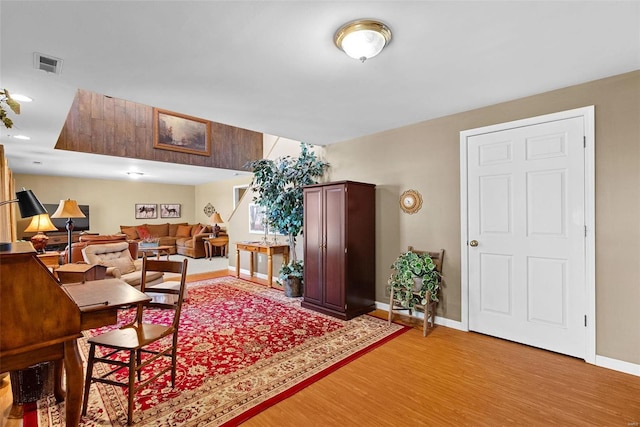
x=411 y=201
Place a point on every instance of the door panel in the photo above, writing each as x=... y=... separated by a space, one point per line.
x=334 y=251
x=313 y=252
x=526 y=207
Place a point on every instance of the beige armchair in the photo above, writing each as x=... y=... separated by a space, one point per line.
x=117 y=258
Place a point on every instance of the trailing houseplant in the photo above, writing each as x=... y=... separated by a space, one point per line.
x=5 y=98
x=414 y=277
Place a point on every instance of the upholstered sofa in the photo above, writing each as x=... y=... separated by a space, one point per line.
x=93 y=239
x=183 y=238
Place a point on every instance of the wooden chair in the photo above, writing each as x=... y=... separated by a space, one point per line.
x=429 y=309
x=136 y=336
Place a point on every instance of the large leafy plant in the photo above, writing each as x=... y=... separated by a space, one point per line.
x=414 y=279
x=5 y=98
x=277 y=186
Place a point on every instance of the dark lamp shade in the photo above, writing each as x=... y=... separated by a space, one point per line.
x=29 y=204
x=68 y=209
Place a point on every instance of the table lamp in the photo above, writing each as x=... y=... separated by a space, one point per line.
x=68 y=209
x=215 y=219
x=29 y=206
x=39 y=224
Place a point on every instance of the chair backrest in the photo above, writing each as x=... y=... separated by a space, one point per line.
x=110 y=255
x=165 y=266
x=436 y=256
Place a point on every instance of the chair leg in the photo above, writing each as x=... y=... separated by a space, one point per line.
x=390 y=306
x=87 y=381
x=132 y=380
x=174 y=354
x=425 y=324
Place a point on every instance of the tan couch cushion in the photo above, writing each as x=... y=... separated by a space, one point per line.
x=158 y=230
x=173 y=228
x=197 y=229
x=183 y=231
x=131 y=232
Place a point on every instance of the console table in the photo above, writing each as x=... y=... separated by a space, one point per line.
x=261 y=248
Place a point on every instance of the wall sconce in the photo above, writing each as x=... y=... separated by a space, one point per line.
x=362 y=39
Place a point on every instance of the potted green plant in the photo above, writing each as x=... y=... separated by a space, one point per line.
x=414 y=279
x=5 y=98
x=277 y=185
x=291 y=277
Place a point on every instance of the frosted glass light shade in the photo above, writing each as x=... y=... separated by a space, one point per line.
x=362 y=39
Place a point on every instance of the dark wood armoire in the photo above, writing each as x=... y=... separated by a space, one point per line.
x=339 y=248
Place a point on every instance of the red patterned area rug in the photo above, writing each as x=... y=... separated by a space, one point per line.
x=242 y=348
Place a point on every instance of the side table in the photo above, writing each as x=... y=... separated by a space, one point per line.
x=50 y=258
x=210 y=243
x=80 y=273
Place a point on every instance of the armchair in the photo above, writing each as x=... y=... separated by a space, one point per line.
x=117 y=258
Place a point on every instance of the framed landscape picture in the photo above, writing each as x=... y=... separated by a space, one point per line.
x=178 y=132
x=170 y=211
x=146 y=210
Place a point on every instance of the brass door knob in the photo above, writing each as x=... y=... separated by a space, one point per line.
x=473 y=243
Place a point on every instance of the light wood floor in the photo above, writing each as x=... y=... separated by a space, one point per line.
x=455 y=378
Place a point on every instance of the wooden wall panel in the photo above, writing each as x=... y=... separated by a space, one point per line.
x=104 y=125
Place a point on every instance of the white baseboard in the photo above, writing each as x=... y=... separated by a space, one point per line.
x=602 y=361
x=618 y=365
x=255 y=274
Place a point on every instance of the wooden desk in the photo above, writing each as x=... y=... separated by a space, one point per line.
x=261 y=248
x=210 y=243
x=42 y=320
x=71 y=273
x=157 y=250
x=98 y=302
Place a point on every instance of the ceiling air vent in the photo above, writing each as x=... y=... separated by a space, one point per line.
x=47 y=63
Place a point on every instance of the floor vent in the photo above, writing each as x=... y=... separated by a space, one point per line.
x=47 y=63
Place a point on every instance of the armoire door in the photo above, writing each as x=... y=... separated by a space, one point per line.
x=313 y=247
x=334 y=246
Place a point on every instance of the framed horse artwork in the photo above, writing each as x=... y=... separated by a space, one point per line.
x=145 y=211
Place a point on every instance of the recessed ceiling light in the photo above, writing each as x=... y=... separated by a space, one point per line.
x=21 y=98
x=22 y=137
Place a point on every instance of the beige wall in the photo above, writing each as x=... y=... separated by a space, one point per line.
x=425 y=157
x=111 y=203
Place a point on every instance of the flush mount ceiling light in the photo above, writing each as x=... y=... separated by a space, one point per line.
x=135 y=175
x=362 y=39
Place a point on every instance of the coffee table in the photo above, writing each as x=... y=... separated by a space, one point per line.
x=157 y=250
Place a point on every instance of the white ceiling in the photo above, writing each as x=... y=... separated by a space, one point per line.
x=271 y=66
